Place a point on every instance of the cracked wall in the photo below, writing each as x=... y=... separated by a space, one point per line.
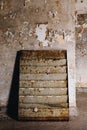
x=81 y=51
x=31 y=24
x=81 y=44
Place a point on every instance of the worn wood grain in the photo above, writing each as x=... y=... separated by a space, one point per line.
x=52 y=112
x=42 y=105
x=43 y=62
x=44 y=118
x=44 y=54
x=43 y=76
x=42 y=91
x=43 y=99
x=43 y=84
x=42 y=70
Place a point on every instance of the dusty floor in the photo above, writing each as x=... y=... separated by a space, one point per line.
x=77 y=123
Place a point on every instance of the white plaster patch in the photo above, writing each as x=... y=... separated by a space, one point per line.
x=60 y=39
x=25 y=28
x=31 y=32
x=78 y=26
x=25 y=23
x=52 y=14
x=79 y=35
x=9 y=34
x=12 y=16
x=69 y=38
x=84 y=25
x=40 y=31
x=48 y=36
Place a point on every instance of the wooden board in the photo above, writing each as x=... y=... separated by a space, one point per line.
x=43 y=91
x=44 y=114
x=43 y=62
x=42 y=105
x=43 y=99
x=43 y=76
x=43 y=85
x=42 y=70
x=43 y=54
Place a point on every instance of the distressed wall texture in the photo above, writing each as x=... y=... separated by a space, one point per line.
x=35 y=24
x=81 y=44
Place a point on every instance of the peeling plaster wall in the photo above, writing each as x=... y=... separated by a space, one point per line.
x=81 y=44
x=81 y=6
x=35 y=24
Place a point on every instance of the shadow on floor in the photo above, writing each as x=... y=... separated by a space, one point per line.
x=12 y=107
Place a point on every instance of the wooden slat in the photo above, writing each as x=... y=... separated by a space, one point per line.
x=39 y=70
x=43 y=62
x=28 y=105
x=43 y=84
x=43 y=76
x=43 y=99
x=44 y=113
x=43 y=54
x=42 y=91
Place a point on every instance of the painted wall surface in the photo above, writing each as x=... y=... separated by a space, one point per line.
x=81 y=44
x=35 y=24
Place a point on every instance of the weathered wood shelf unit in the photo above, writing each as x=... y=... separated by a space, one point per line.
x=43 y=85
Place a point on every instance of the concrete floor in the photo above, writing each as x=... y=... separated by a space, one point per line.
x=77 y=123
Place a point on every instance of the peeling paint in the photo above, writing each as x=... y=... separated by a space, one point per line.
x=84 y=25
x=27 y=2
x=35 y=24
x=48 y=36
x=81 y=50
x=53 y=14
x=9 y=34
x=40 y=31
x=31 y=32
x=60 y=40
x=69 y=38
x=12 y=16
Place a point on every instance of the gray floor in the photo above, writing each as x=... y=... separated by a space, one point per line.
x=77 y=123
